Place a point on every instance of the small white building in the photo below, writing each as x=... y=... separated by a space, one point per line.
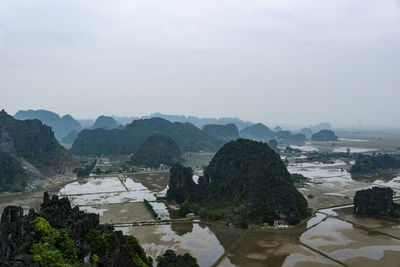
x=279 y=222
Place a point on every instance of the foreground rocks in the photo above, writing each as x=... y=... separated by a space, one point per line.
x=376 y=201
x=60 y=235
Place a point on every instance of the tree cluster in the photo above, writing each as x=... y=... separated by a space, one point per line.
x=373 y=164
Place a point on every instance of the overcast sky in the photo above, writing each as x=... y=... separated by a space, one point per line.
x=277 y=62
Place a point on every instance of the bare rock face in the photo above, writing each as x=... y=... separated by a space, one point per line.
x=59 y=213
x=6 y=143
x=375 y=202
x=12 y=214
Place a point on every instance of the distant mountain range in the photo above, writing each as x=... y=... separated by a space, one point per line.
x=258 y=132
x=200 y=122
x=61 y=126
x=29 y=149
x=125 y=141
x=99 y=136
x=225 y=133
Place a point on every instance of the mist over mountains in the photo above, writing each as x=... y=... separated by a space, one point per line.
x=213 y=132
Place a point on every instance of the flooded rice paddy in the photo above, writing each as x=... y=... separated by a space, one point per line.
x=333 y=237
x=352 y=246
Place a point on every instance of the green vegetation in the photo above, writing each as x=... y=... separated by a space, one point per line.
x=126 y=141
x=376 y=201
x=156 y=150
x=33 y=141
x=181 y=184
x=299 y=179
x=150 y=208
x=29 y=141
x=12 y=175
x=225 y=133
x=242 y=184
x=329 y=157
x=85 y=171
x=60 y=235
x=136 y=252
x=97 y=240
x=170 y=259
x=324 y=136
x=373 y=164
x=52 y=247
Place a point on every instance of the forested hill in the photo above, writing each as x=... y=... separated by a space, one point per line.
x=258 y=132
x=324 y=135
x=245 y=180
x=127 y=140
x=156 y=150
x=29 y=141
x=61 y=126
x=104 y=122
x=225 y=133
x=374 y=164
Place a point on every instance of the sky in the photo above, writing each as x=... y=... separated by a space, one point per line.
x=278 y=62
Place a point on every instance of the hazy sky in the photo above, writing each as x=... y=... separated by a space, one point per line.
x=278 y=62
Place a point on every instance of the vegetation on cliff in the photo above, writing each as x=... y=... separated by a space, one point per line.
x=246 y=182
x=126 y=141
x=63 y=236
x=324 y=136
x=374 y=164
x=157 y=149
x=12 y=176
x=29 y=141
x=225 y=133
x=376 y=201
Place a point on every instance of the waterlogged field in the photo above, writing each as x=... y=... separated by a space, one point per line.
x=352 y=246
x=333 y=237
x=330 y=184
x=153 y=181
x=269 y=249
x=119 y=200
x=206 y=243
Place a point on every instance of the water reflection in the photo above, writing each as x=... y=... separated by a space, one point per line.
x=353 y=246
x=182 y=228
x=197 y=240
